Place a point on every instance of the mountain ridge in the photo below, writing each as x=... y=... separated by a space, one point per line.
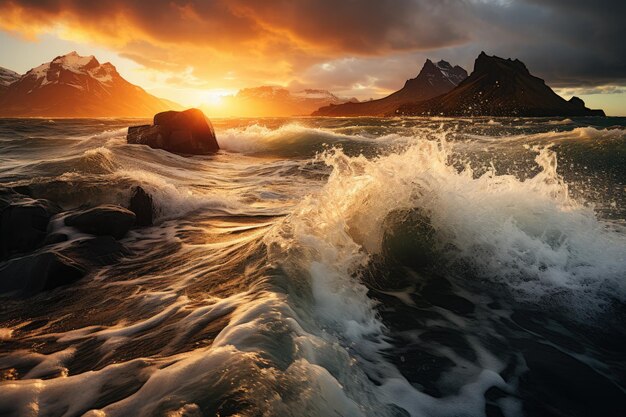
x=498 y=87
x=72 y=85
x=432 y=80
x=7 y=77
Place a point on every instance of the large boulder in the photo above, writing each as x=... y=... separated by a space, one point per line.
x=23 y=225
x=38 y=272
x=185 y=132
x=104 y=220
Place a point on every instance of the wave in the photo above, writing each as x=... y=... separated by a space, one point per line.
x=526 y=236
x=293 y=140
x=583 y=133
x=278 y=316
x=578 y=134
x=561 y=122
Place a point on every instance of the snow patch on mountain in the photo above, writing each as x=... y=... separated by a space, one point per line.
x=53 y=72
x=8 y=77
x=78 y=86
x=454 y=74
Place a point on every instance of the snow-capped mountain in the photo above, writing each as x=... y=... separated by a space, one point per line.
x=7 y=77
x=77 y=86
x=433 y=80
x=277 y=101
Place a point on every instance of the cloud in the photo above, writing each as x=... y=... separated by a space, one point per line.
x=373 y=44
x=584 y=91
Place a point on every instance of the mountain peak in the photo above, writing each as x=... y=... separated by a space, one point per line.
x=428 y=66
x=73 y=60
x=486 y=63
x=432 y=80
x=75 y=85
x=499 y=87
x=443 y=71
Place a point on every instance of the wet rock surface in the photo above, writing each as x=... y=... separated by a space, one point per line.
x=40 y=247
x=23 y=225
x=31 y=274
x=185 y=132
x=105 y=220
x=142 y=205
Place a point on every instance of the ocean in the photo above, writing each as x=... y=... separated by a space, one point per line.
x=332 y=267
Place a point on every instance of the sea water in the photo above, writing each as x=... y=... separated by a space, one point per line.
x=332 y=267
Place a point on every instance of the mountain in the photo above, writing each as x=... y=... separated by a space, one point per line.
x=270 y=101
x=77 y=86
x=434 y=79
x=7 y=77
x=499 y=87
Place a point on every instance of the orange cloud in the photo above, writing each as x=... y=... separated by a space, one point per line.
x=240 y=43
x=255 y=38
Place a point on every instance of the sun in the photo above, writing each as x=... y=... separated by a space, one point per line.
x=214 y=97
x=211 y=98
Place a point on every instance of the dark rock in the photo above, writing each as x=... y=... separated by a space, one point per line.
x=24 y=190
x=577 y=102
x=186 y=132
x=23 y=225
x=7 y=196
x=38 y=272
x=52 y=268
x=95 y=252
x=53 y=238
x=105 y=220
x=141 y=204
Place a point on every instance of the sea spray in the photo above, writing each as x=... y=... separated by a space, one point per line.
x=266 y=285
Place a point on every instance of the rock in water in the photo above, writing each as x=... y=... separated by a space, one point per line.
x=34 y=273
x=95 y=252
x=54 y=267
x=105 y=220
x=141 y=204
x=186 y=132
x=23 y=225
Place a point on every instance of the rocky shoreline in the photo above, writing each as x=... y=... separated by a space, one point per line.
x=43 y=247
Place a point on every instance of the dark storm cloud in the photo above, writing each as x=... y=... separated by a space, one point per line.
x=366 y=26
x=567 y=42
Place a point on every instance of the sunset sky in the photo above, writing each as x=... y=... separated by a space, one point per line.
x=193 y=52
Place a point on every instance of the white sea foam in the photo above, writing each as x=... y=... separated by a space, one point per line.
x=290 y=139
x=529 y=235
